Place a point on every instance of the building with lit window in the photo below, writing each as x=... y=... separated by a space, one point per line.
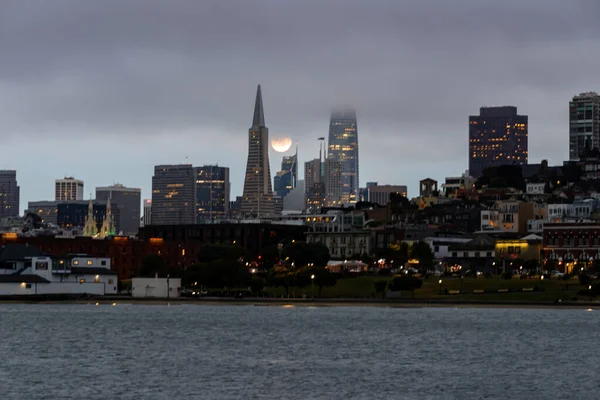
x=128 y=201
x=173 y=195
x=9 y=194
x=323 y=183
x=286 y=179
x=343 y=147
x=497 y=136
x=257 y=198
x=68 y=189
x=584 y=124
x=212 y=192
x=72 y=214
x=147 y=217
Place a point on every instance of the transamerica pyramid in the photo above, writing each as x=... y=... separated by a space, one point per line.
x=257 y=199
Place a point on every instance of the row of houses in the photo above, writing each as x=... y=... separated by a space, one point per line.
x=24 y=270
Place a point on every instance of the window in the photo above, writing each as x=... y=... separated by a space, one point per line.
x=103 y=262
x=465 y=254
x=454 y=254
x=511 y=249
x=41 y=265
x=110 y=281
x=28 y=286
x=97 y=278
x=89 y=262
x=436 y=248
x=75 y=262
x=82 y=280
x=489 y=253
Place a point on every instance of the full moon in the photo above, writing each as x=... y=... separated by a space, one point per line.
x=281 y=145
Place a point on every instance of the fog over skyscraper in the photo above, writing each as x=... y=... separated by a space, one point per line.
x=257 y=198
x=343 y=147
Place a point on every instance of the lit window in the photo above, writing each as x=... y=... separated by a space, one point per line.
x=82 y=280
x=89 y=262
x=75 y=262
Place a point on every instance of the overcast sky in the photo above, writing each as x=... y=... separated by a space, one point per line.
x=104 y=90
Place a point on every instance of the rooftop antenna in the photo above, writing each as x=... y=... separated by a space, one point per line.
x=186 y=159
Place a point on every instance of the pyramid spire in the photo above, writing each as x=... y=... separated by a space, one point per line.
x=259 y=116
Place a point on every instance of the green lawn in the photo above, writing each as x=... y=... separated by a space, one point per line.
x=363 y=287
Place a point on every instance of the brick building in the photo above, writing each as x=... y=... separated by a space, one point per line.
x=178 y=244
x=571 y=244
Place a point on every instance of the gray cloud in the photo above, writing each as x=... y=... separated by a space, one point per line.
x=139 y=83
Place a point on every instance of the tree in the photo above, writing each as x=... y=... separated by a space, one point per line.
x=153 y=264
x=380 y=287
x=302 y=253
x=585 y=280
x=269 y=256
x=406 y=282
x=213 y=252
x=280 y=276
x=503 y=176
x=218 y=274
x=322 y=278
x=422 y=252
x=256 y=285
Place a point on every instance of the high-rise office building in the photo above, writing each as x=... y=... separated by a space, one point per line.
x=343 y=147
x=212 y=192
x=497 y=136
x=147 y=218
x=323 y=181
x=332 y=177
x=128 y=201
x=9 y=194
x=312 y=173
x=173 y=195
x=258 y=192
x=315 y=191
x=68 y=189
x=285 y=180
x=584 y=124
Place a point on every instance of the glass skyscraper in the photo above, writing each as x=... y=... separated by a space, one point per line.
x=285 y=180
x=212 y=192
x=343 y=147
x=584 y=124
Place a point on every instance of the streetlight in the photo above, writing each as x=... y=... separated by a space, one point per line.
x=293 y=280
x=312 y=282
x=440 y=282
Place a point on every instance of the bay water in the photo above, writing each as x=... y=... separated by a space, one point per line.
x=132 y=351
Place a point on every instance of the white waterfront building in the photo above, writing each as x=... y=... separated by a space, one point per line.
x=25 y=271
x=156 y=287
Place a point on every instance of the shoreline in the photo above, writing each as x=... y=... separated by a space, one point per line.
x=291 y=303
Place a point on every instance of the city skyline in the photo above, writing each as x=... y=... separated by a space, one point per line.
x=163 y=94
